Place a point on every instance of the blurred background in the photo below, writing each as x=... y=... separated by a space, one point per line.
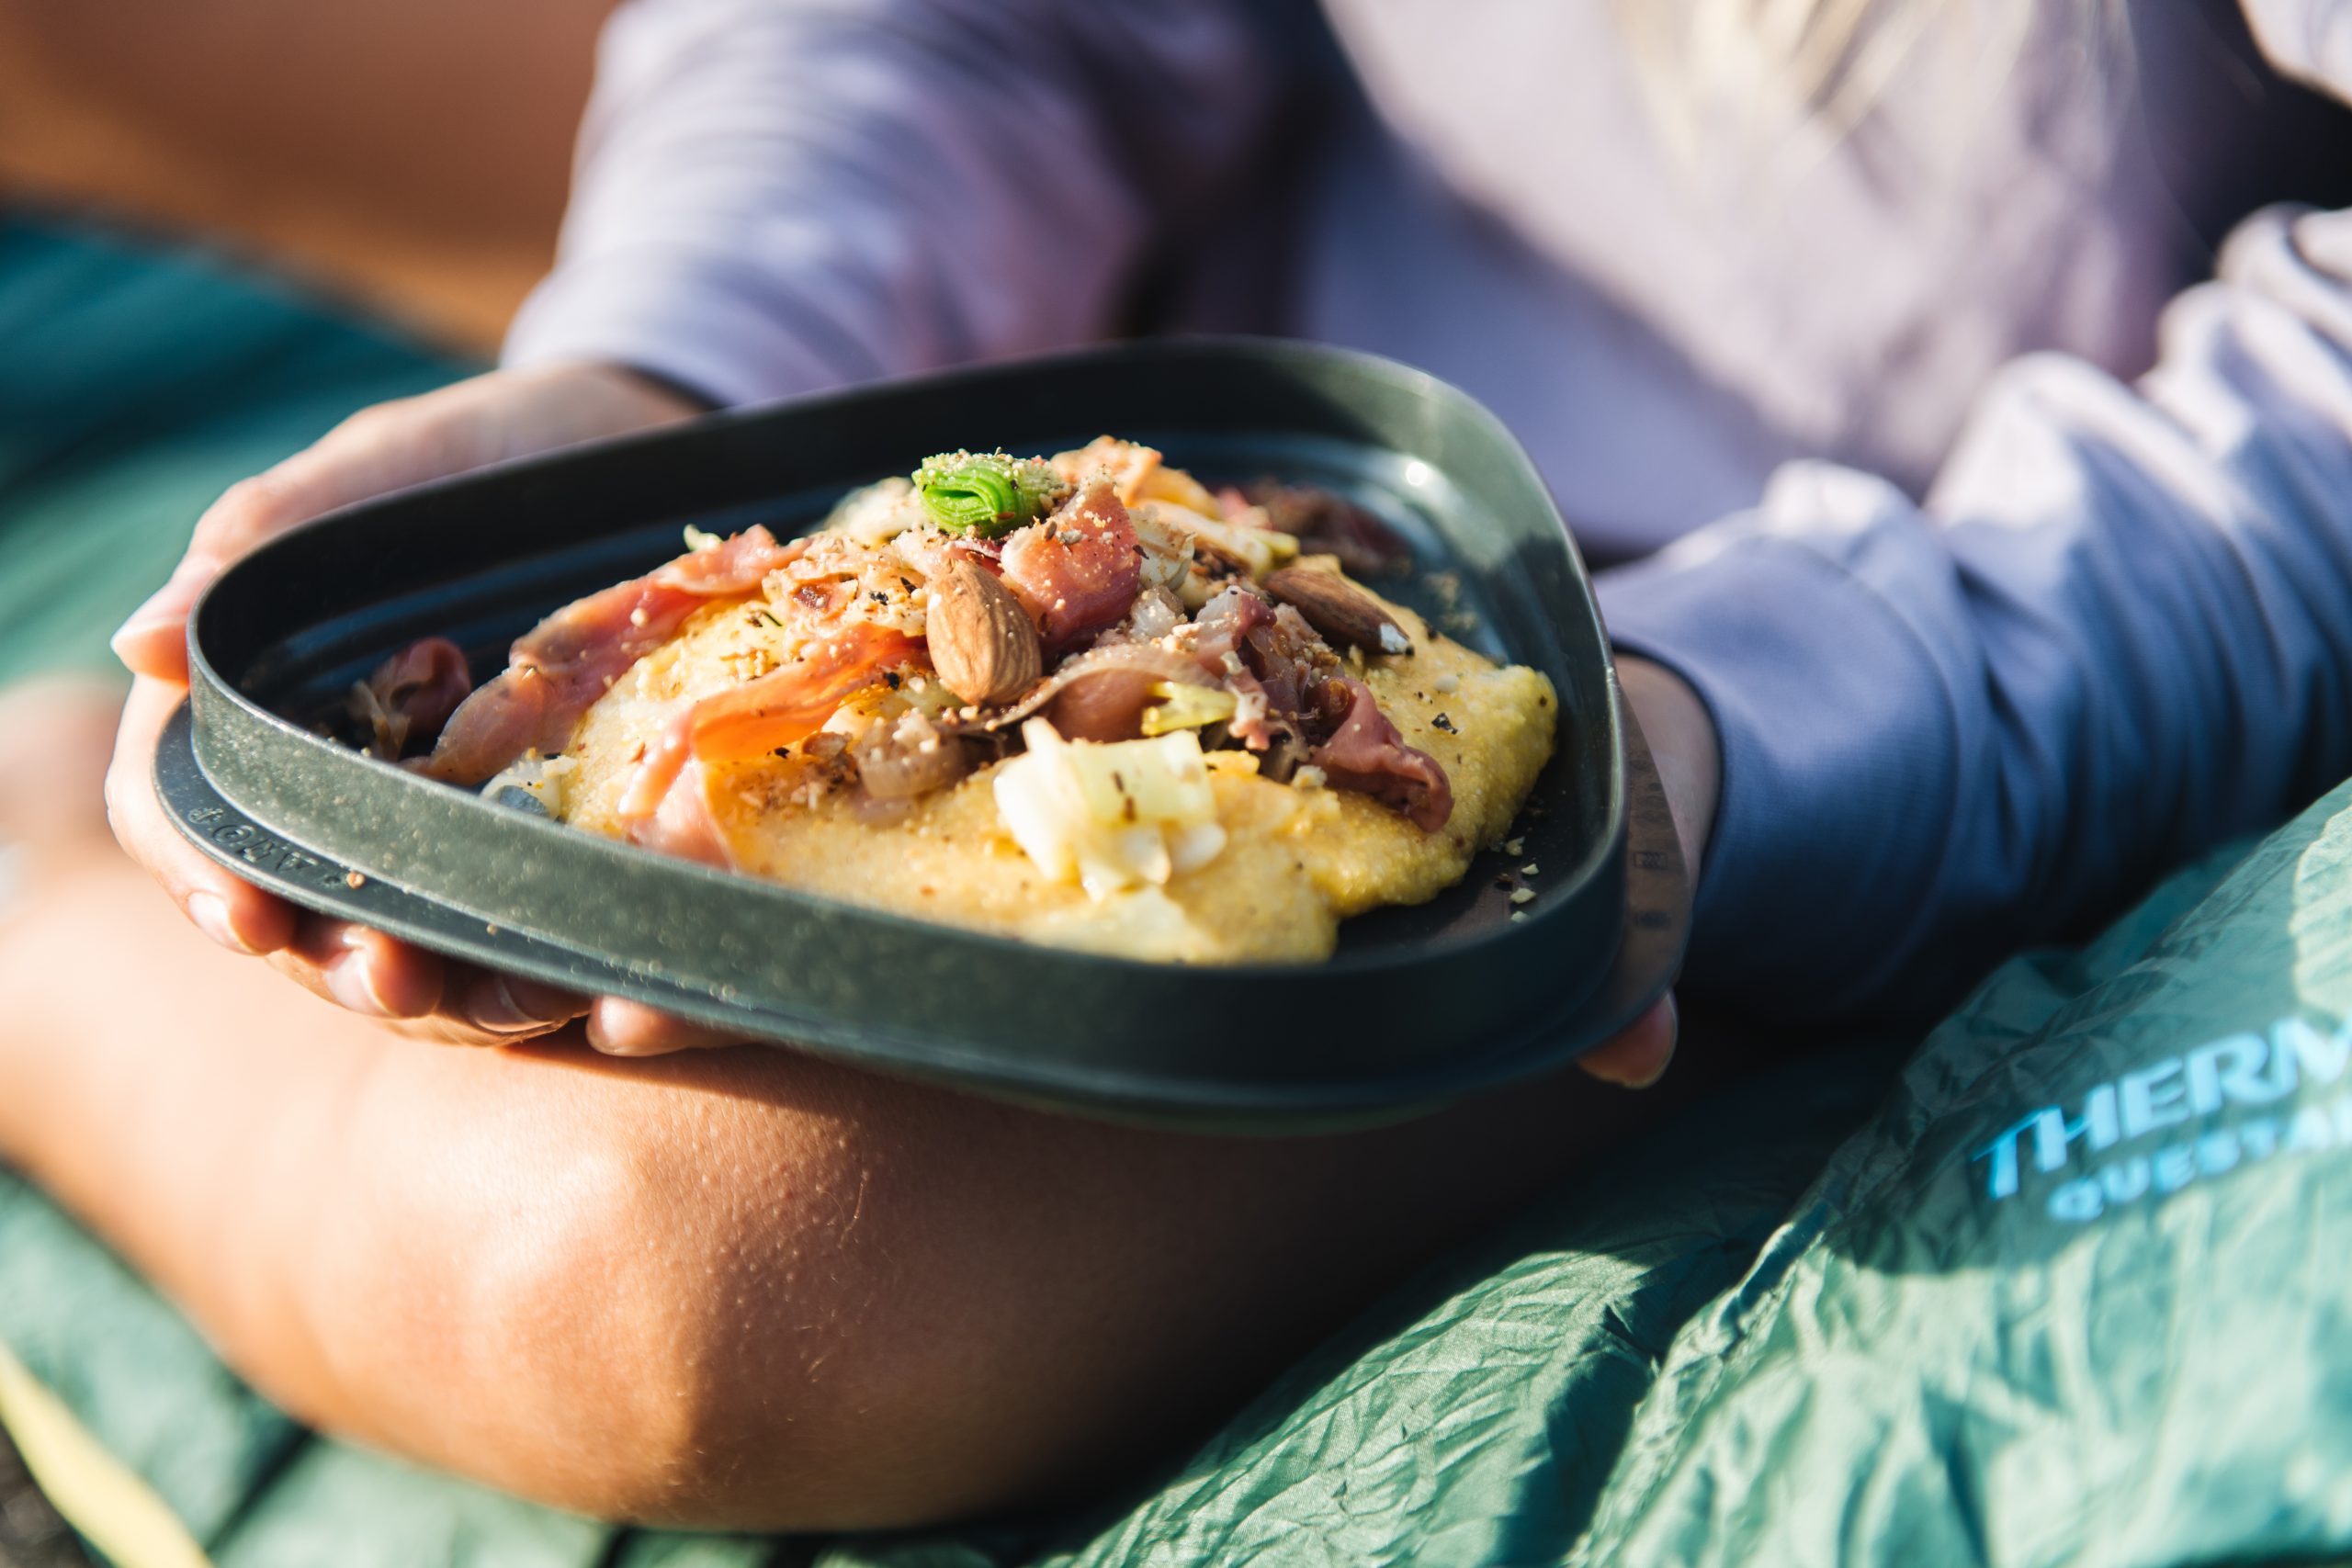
x=405 y=156
x=32 y=1535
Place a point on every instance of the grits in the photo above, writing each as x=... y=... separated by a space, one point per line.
x=1079 y=700
x=1296 y=861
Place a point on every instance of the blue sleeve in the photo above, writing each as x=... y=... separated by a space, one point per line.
x=775 y=196
x=2119 y=630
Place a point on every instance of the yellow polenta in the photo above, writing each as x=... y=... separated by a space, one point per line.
x=1295 y=862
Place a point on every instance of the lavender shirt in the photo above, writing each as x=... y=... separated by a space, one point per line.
x=1991 y=633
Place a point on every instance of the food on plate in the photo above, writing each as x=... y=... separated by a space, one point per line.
x=1081 y=700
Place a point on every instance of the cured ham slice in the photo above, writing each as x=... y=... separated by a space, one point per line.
x=411 y=694
x=1222 y=648
x=1078 y=572
x=1366 y=754
x=563 y=665
x=777 y=709
x=682 y=825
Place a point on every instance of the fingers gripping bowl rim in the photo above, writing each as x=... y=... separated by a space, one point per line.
x=1420 y=1004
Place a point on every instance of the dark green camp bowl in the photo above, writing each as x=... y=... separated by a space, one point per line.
x=1418 y=1006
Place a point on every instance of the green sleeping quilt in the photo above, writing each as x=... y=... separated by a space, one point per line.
x=2066 y=1282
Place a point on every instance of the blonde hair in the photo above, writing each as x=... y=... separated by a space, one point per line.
x=1764 y=70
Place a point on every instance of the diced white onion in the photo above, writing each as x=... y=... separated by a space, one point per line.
x=1189 y=849
x=1110 y=817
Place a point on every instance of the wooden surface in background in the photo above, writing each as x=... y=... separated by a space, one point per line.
x=409 y=154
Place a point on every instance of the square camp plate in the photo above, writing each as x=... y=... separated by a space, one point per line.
x=1420 y=1006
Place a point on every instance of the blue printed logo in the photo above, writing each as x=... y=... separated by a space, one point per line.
x=2085 y=1147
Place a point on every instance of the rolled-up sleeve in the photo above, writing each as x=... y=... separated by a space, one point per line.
x=2119 y=630
x=777 y=196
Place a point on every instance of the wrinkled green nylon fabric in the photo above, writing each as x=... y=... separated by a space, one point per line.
x=2076 y=1292
x=2066 y=1285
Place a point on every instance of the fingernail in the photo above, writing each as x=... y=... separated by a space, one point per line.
x=210 y=913
x=1672 y=1012
x=168 y=606
x=506 y=1007
x=136 y=630
x=1648 y=1079
x=150 y=610
x=350 y=983
x=603 y=1038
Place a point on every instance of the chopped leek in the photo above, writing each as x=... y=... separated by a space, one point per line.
x=987 y=492
x=1259 y=549
x=1186 y=707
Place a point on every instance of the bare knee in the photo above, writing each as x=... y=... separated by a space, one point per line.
x=847 y=1301
x=815 y=1298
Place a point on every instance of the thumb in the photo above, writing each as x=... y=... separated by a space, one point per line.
x=153 y=641
x=1638 y=1058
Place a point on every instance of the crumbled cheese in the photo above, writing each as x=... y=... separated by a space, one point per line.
x=1309 y=776
x=1514 y=846
x=1523 y=896
x=1527 y=870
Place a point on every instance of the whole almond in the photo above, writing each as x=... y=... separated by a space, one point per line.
x=982 y=642
x=1338 y=609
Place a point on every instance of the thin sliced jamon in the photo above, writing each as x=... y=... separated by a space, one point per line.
x=1325 y=524
x=1366 y=754
x=1266 y=655
x=411 y=696
x=1077 y=573
x=683 y=825
x=779 y=708
x=1221 y=649
x=558 y=669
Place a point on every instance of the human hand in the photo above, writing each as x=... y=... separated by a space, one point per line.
x=1689 y=768
x=503 y=415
